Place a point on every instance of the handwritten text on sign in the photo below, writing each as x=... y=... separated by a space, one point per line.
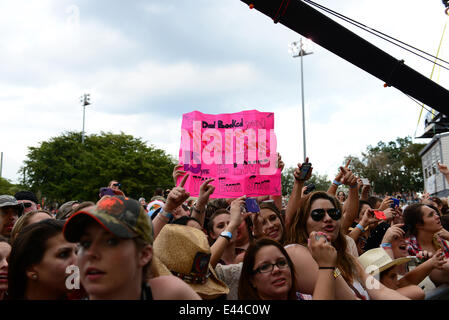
x=238 y=150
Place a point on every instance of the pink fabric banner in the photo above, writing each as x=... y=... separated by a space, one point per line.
x=238 y=150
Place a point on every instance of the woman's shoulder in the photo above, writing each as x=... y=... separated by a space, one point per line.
x=298 y=251
x=295 y=247
x=171 y=288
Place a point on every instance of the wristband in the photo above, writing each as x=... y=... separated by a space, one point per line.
x=360 y=227
x=385 y=245
x=226 y=234
x=336 y=183
x=167 y=215
x=353 y=186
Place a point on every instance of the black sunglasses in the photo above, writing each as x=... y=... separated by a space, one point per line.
x=27 y=204
x=117 y=185
x=318 y=214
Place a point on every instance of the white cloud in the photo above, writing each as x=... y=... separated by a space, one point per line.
x=48 y=61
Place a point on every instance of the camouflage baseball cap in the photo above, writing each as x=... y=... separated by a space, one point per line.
x=9 y=201
x=122 y=216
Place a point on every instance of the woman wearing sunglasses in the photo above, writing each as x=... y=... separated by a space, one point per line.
x=268 y=272
x=321 y=212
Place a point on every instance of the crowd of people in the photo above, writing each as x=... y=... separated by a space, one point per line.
x=320 y=245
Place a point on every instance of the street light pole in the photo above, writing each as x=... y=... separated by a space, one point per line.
x=85 y=101
x=297 y=50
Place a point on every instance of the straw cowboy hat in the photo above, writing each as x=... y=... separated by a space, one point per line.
x=185 y=251
x=376 y=260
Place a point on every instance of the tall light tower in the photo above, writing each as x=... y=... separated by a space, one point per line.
x=298 y=49
x=85 y=101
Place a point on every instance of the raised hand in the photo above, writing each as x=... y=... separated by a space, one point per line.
x=322 y=250
x=438 y=259
x=390 y=213
x=303 y=190
x=177 y=196
x=368 y=218
x=393 y=233
x=238 y=212
x=297 y=172
x=348 y=178
x=177 y=172
x=206 y=189
x=281 y=163
x=386 y=203
x=359 y=183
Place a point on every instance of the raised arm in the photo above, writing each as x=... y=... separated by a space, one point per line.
x=278 y=199
x=295 y=196
x=199 y=209
x=175 y=198
x=351 y=205
x=335 y=184
x=366 y=188
x=337 y=181
x=367 y=220
x=236 y=219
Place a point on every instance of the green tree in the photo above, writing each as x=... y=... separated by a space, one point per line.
x=391 y=167
x=6 y=187
x=321 y=182
x=64 y=169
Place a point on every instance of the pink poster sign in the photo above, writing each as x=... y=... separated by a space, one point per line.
x=238 y=150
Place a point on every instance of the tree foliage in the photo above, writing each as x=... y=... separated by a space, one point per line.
x=321 y=182
x=64 y=169
x=6 y=187
x=391 y=167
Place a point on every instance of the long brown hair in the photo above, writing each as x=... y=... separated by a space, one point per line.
x=298 y=233
x=246 y=291
x=271 y=206
x=28 y=249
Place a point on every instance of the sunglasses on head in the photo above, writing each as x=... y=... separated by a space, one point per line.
x=318 y=214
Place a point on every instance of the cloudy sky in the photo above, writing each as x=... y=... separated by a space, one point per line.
x=145 y=63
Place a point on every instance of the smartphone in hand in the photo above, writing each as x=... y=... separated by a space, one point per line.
x=252 y=205
x=380 y=215
x=395 y=203
x=305 y=169
x=310 y=188
x=365 y=182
